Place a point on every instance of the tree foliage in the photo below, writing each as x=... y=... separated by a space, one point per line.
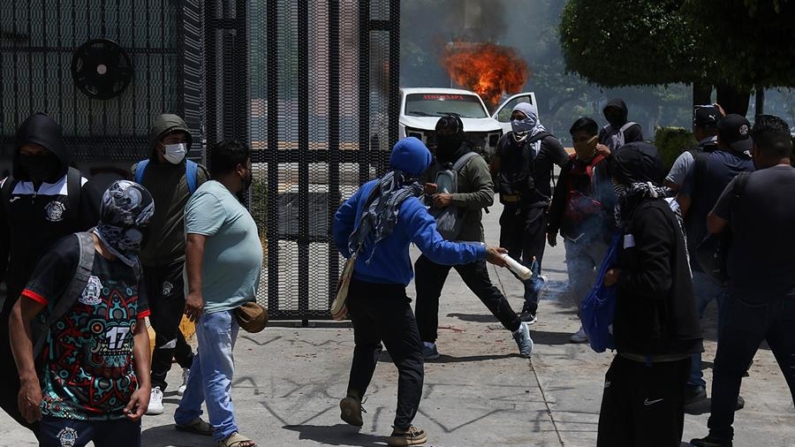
x=742 y=43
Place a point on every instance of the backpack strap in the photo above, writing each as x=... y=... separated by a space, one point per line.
x=191 y=175
x=73 y=290
x=626 y=126
x=699 y=167
x=462 y=160
x=74 y=186
x=139 y=170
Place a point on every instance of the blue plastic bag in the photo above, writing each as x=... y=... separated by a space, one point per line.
x=599 y=307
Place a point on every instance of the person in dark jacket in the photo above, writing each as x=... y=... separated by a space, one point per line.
x=656 y=327
x=522 y=168
x=582 y=211
x=474 y=193
x=42 y=202
x=163 y=256
x=619 y=130
x=387 y=215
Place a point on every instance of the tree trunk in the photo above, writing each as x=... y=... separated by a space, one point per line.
x=760 y=101
x=702 y=93
x=733 y=100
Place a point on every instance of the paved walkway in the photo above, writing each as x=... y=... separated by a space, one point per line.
x=480 y=392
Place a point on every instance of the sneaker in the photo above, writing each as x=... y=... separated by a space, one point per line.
x=410 y=436
x=695 y=394
x=184 y=386
x=523 y=340
x=155 y=402
x=351 y=411
x=528 y=317
x=579 y=337
x=429 y=351
x=710 y=441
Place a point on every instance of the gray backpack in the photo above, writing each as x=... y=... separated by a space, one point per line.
x=450 y=219
x=40 y=330
x=615 y=139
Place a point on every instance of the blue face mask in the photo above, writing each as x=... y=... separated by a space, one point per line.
x=522 y=126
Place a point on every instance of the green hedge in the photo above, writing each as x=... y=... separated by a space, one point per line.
x=672 y=141
x=259 y=204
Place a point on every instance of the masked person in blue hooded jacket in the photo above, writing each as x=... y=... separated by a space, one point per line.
x=387 y=215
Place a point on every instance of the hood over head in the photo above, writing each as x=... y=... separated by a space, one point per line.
x=637 y=162
x=619 y=118
x=42 y=130
x=165 y=124
x=410 y=156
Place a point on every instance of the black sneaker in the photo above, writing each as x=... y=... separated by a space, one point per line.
x=528 y=317
x=410 y=436
x=710 y=441
x=695 y=394
x=351 y=411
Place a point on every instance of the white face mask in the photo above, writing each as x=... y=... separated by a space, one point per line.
x=175 y=153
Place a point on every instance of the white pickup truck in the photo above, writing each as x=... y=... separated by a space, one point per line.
x=421 y=108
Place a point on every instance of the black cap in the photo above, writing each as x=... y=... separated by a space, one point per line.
x=706 y=117
x=735 y=131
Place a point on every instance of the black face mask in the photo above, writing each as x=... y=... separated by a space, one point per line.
x=447 y=145
x=39 y=167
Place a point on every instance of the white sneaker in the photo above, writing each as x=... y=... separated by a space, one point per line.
x=155 y=402
x=579 y=337
x=185 y=374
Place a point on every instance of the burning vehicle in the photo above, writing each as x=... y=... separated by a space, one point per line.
x=421 y=108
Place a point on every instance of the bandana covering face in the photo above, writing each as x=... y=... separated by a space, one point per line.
x=379 y=217
x=127 y=208
x=629 y=197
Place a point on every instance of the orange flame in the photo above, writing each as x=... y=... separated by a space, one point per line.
x=485 y=68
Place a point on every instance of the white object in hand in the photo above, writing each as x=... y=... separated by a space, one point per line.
x=521 y=271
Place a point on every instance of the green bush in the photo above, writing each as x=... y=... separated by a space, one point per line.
x=672 y=141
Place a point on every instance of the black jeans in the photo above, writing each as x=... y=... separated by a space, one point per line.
x=748 y=323
x=429 y=280
x=166 y=295
x=523 y=232
x=643 y=404
x=57 y=432
x=382 y=312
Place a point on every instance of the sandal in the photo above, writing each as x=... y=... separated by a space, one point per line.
x=196 y=426
x=236 y=440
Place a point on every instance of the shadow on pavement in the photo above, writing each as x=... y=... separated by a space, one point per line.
x=339 y=434
x=167 y=435
x=475 y=318
x=472 y=358
x=550 y=338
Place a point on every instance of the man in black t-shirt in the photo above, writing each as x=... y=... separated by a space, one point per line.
x=761 y=305
x=94 y=384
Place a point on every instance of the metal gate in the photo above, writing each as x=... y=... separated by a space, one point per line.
x=324 y=112
x=312 y=85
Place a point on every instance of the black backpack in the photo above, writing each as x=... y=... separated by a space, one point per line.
x=515 y=181
x=713 y=252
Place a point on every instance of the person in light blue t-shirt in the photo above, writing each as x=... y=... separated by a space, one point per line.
x=223 y=264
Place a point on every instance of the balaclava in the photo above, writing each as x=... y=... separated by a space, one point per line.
x=124 y=216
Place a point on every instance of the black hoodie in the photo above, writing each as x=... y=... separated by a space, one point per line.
x=633 y=133
x=33 y=218
x=655 y=307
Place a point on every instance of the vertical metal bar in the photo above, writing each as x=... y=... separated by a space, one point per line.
x=211 y=70
x=240 y=67
x=75 y=92
x=272 y=58
x=45 y=59
x=133 y=27
x=58 y=56
x=164 y=56
x=363 y=154
x=394 y=80
x=303 y=158
x=118 y=34
x=30 y=59
x=333 y=137
x=180 y=19
x=104 y=35
x=90 y=114
x=148 y=27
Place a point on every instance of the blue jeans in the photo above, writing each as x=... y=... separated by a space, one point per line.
x=583 y=260
x=211 y=373
x=706 y=289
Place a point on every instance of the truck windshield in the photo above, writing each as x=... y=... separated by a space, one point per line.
x=434 y=104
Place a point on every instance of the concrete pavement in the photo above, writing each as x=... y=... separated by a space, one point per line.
x=480 y=392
